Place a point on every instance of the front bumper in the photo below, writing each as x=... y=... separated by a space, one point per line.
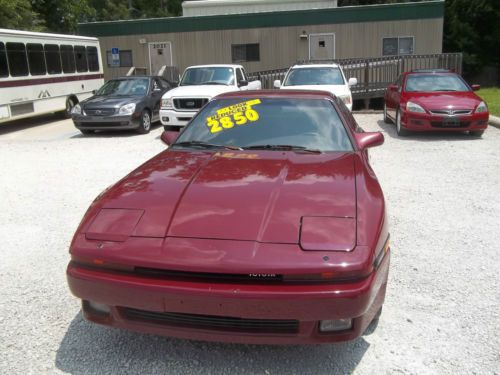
x=426 y=122
x=107 y=122
x=307 y=304
x=172 y=117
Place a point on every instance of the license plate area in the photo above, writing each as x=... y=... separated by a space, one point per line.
x=451 y=122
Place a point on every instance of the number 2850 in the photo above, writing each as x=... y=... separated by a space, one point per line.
x=228 y=122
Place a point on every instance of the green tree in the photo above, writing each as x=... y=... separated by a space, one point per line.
x=18 y=14
x=62 y=16
x=471 y=27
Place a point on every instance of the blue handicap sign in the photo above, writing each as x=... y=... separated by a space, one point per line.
x=115 y=51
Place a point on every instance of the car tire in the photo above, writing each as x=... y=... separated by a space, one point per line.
x=70 y=103
x=86 y=131
x=477 y=133
x=387 y=120
x=399 y=128
x=145 y=122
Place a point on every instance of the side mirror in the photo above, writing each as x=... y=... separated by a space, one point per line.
x=277 y=84
x=353 y=81
x=370 y=139
x=168 y=137
x=392 y=87
x=242 y=82
x=475 y=87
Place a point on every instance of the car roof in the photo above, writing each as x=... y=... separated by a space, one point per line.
x=215 y=66
x=301 y=66
x=297 y=94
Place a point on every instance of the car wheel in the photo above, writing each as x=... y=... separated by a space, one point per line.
x=86 y=131
x=70 y=103
x=387 y=120
x=145 y=125
x=477 y=133
x=399 y=128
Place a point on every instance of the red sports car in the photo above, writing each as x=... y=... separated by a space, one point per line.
x=434 y=100
x=263 y=222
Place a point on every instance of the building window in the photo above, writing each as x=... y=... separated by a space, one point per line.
x=245 y=52
x=125 y=59
x=398 y=46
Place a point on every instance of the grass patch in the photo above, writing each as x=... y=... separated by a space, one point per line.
x=491 y=96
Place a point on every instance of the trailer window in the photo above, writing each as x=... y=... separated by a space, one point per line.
x=18 y=63
x=68 y=59
x=53 y=58
x=4 y=68
x=245 y=52
x=81 y=59
x=36 y=59
x=93 y=59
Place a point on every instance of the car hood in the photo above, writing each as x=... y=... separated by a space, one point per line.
x=109 y=101
x=252 y=196
x=201 y=91
x=336 y=90
x=458 y=100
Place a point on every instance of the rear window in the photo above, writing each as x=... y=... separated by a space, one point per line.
x=310 y=123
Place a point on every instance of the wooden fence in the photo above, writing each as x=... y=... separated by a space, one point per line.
x=374 y=74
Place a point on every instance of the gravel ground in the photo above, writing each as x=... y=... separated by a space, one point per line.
x=442 y=308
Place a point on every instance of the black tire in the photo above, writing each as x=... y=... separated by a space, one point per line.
x=145 y=122
x=477 y=133
x=70 y=103
x=399 y=128
x=171 y=128
x=86 y=131
x=387 y=120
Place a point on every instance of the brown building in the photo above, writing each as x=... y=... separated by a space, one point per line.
x=270 y=40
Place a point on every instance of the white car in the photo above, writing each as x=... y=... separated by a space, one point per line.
x=324 y=77
x=198 y=85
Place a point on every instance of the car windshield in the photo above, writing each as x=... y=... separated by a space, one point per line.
x=124 y=87
x=435 y=82
x=314 y=76
x=268 y=123
x=208 y=76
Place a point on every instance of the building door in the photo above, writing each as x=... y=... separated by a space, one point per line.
x=321 y=46
x=160 y=54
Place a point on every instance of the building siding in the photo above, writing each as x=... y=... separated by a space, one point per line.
x=279 y=46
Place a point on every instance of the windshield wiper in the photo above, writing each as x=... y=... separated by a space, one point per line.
x=213 y=83
x=201 y=144
x=283 y=148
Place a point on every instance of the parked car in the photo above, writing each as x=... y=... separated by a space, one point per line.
x=122 y=103
x=261 y=223
x=198 y=85
x=434 y=100
x=326 y=77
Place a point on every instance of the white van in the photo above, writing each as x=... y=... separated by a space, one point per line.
x=324 y=77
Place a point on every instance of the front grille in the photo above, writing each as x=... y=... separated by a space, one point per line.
x=100 y=112
x=458 y=124
x=451 y=112
x=212 y=322
x=190 y=104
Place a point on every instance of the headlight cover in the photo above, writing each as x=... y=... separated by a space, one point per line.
x=127 y=109
x=414 y=107
x=167 y=103
x=77 y=110
x=482 y=107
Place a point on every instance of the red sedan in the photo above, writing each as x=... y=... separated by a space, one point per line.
x=434 y=100
x=263 y=222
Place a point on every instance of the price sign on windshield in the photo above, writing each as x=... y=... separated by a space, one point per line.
x=233 y=115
